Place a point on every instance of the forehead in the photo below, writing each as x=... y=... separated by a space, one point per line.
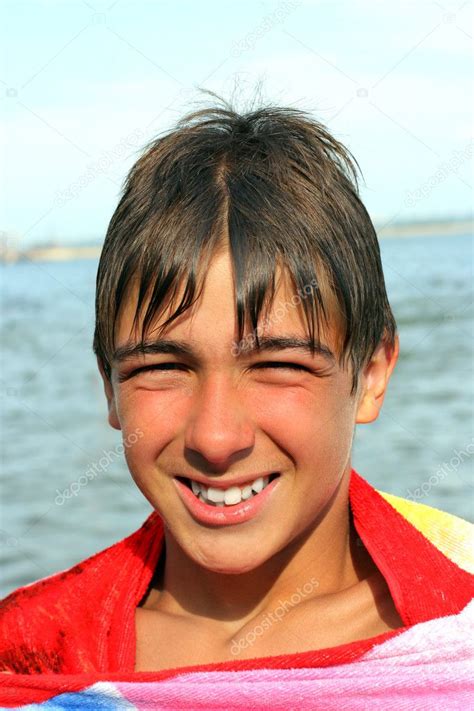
x=212 y=319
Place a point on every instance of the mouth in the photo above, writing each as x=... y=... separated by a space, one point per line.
x=232 y=496
x=218 y=507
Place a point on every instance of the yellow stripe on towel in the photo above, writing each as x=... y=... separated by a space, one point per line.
x=451 y=535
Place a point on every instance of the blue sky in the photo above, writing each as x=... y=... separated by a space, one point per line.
x=84 y=85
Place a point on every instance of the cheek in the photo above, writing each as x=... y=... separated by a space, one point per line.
x=145 y=408
x=314 y=427
x=158 y=419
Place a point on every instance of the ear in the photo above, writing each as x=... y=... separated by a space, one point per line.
x=374 y=381
x=110 y=395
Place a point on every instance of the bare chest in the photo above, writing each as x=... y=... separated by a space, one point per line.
x=164 y=642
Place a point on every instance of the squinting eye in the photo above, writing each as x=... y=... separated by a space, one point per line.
x=159 y=366
x=148 y=368
x=280 y=365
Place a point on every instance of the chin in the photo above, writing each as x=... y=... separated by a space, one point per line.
x=226 y=568
x=225 y=560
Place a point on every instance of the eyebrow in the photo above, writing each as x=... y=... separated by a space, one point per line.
x=267 y=344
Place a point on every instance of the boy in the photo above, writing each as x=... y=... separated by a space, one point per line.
x=242 y=330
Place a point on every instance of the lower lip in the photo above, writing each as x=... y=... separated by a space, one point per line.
x=224 y=515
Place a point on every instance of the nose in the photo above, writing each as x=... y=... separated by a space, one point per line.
x=219 y=426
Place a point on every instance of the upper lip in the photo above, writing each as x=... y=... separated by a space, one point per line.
x=236 y=481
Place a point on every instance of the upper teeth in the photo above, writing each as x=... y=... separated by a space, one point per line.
x=233 y=495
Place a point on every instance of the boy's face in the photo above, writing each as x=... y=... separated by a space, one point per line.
x=220 y=416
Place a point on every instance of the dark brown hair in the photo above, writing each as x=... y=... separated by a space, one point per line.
x=274 y=186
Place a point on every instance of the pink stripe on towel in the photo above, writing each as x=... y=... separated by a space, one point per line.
x=430 y=666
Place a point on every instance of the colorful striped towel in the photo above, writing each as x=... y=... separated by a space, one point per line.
x=428 y=666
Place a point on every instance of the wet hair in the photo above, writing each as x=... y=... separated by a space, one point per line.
x=274 y=187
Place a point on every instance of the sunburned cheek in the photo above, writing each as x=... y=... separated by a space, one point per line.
x=156 y=417
x=301 y=421
x=142 y=402
x=292 y=405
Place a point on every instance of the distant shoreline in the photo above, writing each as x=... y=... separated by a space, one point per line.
x=59 y=253
x=425 y=229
